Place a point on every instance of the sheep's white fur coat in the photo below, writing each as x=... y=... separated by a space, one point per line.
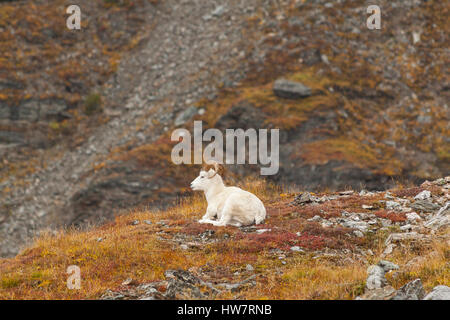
x=231 y=205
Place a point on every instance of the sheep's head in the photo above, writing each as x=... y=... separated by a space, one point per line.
x=210 y=174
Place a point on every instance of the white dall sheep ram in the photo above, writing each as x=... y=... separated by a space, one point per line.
x=231 y=205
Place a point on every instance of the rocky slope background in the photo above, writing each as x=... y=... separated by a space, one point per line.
x=391 y=245
x=86 y=116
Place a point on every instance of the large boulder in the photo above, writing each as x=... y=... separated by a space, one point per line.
x=440 y=219
x=376 y=274
x=439 y=293
x=411 y=291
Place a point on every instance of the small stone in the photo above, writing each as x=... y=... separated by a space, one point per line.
x=413 y=216
x=260 y=231
x=384 y=293
x=392 y=205
x=326 y=224
x=296 y=249
x=147 y=222
x=127 y=282
x=423 y=195
x=393 y=237
x=218 y=11
x=184 y=247
x=406 y=227
x=185 y=115
x=290 y=90
x=390 y=247
x=249 y=267
x=388 y=195
x=135 y=222
x=387 y=265
x=358 y=233
x=386 y=222
x=316 y=218
x=416 y=37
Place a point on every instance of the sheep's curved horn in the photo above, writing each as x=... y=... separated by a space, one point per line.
x=218 y=168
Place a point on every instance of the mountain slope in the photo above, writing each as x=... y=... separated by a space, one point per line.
x=378 y=111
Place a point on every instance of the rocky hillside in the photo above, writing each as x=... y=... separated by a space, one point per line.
x=86 y=117
x=338 y=245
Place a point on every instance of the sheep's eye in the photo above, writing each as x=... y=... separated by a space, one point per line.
x=202 y=177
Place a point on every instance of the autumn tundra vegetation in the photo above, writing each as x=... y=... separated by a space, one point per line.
x=299 y=252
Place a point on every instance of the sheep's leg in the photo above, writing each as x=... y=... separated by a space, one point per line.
x=224 y=220
x=207 y=218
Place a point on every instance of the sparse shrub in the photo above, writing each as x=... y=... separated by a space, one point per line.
x=93 y=104
x=54 y=125
x=9 y=283
x=391 y=215
x=409 y=192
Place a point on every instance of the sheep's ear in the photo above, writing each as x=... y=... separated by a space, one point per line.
x=220 y=170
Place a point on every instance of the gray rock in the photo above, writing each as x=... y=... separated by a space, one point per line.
x=51 y=107
x=233 y=287
x=375 y=279
x=376 y=274
x=290 y=90
x=316 y=218
x=392 y=205
x=387 y=265
x=358 y=233
x=185 y=115
x=439 y=293
x=358 y=225
x=183 y=284
x=411 y=291
x=412 y=216
x=440 y=219
x=249 y=267
x=29 y=110
x=394 y=237
x=424 y=206
x=218 y=11
x=302 y=198
x=423 y=195
x=296 y=249
x=389 y=249
x=406 y=227
x=385 y=293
